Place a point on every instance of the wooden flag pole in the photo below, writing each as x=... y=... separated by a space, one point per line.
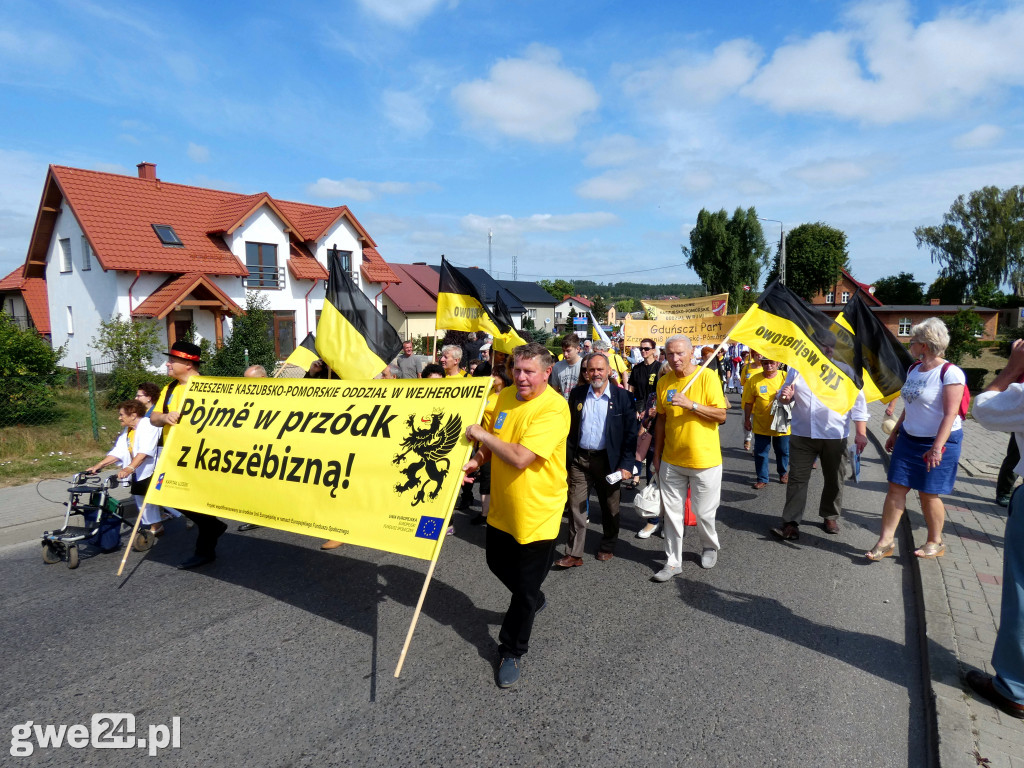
x=131 y=539
x=429 y=576
x=705 y=365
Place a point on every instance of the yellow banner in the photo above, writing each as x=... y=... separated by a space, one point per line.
x=702 y=331
x=780 y=339
x=375 y=463
x=688 y=309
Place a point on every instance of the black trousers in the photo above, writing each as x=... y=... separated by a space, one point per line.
x=209 y=528
x=522 y=568
x=1007 y=477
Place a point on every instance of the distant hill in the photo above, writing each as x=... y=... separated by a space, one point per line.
x=616 y=291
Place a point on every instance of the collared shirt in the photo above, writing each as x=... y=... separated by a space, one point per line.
x=812 y=418
x=595 y=413
x=1003 y=412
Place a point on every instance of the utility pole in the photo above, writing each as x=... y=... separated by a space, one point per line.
x=515 y=264
x=782 y=248
x=490 y=260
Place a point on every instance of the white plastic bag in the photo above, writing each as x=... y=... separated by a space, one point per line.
x=648 y=501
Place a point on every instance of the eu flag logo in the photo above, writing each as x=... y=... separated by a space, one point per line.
x=160 y=480
x=500 y=421
x=429 y=527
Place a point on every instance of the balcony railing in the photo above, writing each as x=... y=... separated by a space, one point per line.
x=271 y=278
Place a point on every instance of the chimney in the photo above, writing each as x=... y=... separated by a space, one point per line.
x=934 y=302
x=147 y=171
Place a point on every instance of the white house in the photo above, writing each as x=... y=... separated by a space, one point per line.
x=106 y=243
x=564 y=307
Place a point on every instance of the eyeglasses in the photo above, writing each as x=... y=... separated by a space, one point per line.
x=646 y=349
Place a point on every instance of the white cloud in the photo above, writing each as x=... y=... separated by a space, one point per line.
x=982 y=137
x=613 y=186
x=198 y=153
x=540 y=222
x=402 y=13
x=532 y=98
x=406 y=112
x=831 y=173
x=613 y=150
x=880 y=68
x=355 y=189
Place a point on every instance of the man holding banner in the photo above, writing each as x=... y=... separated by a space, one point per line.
x=687 y=452
x=526 y=447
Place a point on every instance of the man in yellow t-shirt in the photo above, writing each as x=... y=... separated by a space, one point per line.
x=760 y=391
x=183 y=365
x=526 y=447
x=687 y=452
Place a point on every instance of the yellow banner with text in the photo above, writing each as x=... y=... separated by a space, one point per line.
x=702 y=331
x=375 y=463
x=687 y=309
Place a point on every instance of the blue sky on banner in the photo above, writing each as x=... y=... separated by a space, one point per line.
x=586 y=134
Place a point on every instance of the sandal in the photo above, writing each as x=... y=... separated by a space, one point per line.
x=930 y=550
x=878 y=551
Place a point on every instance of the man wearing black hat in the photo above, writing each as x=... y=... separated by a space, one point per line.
x=182 y=364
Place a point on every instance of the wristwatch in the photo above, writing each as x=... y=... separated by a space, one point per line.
x=693 y=406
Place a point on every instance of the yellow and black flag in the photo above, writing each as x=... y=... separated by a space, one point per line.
x=352 y=337
x=781 y=326
x=508 y=341
x=461 y=307
x=866 y=345
x=305 y=354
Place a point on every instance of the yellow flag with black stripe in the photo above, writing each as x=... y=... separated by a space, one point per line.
x=781 y=326
x=305 y=354
x=461 y=307
x=352 y=337
x=508 y=341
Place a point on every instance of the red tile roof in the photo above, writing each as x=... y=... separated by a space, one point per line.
x=409 y=296
x=375 y=268
x=585 y=302
x=303 y=266
x=174 y=290
x=425 y=276
x=865 y=289
x=117 y=212
x=33 y=292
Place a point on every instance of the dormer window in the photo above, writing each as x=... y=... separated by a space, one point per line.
x=168 y=236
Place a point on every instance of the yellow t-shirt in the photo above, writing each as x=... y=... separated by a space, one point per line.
x=761 y=392
x=177 y=396
x=488 y=419
x=691 y=441
x=528 y=503
x=747 y=370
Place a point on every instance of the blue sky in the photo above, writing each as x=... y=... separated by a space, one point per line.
x=586 y=135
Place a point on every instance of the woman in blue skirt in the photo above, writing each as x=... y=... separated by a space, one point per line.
x=925 y=444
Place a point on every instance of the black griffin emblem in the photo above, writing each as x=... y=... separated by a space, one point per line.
x=431 y=442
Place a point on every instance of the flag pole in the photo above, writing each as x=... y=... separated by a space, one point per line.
x=705 y=365
x=131 y=539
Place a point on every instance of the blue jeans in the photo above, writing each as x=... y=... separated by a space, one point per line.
x=762 y=444
x=1008 y=654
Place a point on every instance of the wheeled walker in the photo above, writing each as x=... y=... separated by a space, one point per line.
x=89 y=496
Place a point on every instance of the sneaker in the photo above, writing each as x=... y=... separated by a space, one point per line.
x=646 y=531
x=1004 y=500
x=709 y=558
x=450 y=531
x=509 y=670
x=666 y=573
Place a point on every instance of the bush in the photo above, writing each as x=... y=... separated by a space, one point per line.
x=128 y=343
x=975 y=378
x=250 y=331
x=123 y=383
x=28 y=369
x=1007 y=337
x=964 y=328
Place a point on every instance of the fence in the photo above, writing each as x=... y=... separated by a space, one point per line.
x=68 y=394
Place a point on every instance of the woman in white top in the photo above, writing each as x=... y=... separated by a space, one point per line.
x=925 y=443
x=136 y=451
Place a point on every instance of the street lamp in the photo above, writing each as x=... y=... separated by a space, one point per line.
x=782 y=248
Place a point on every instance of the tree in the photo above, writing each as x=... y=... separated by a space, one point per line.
x=899 y=289
x=559 y=289
x=815 y=254
x=964 y=328
x=599 y=308
x=625 y=306
x=948 y=290
x=728 y=253
x=980 y=240
x=250 y=331
x=128 y=343
x=28 y=369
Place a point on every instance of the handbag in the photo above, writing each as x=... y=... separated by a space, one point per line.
x=648 y=501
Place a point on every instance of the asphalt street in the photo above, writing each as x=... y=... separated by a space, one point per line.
x=795 y=654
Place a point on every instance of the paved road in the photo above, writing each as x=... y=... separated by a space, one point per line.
x=279 y=654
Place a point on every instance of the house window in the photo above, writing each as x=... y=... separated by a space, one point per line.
x=846 y=296
x=86 y=254
x=830 y=297
x=283 y=334
x=532 y=314
x=261 y=260
x=344 y=256
x=904 y=327
x=168 y=236
x=70 y=322
x=65 y=254
x=558 y=316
